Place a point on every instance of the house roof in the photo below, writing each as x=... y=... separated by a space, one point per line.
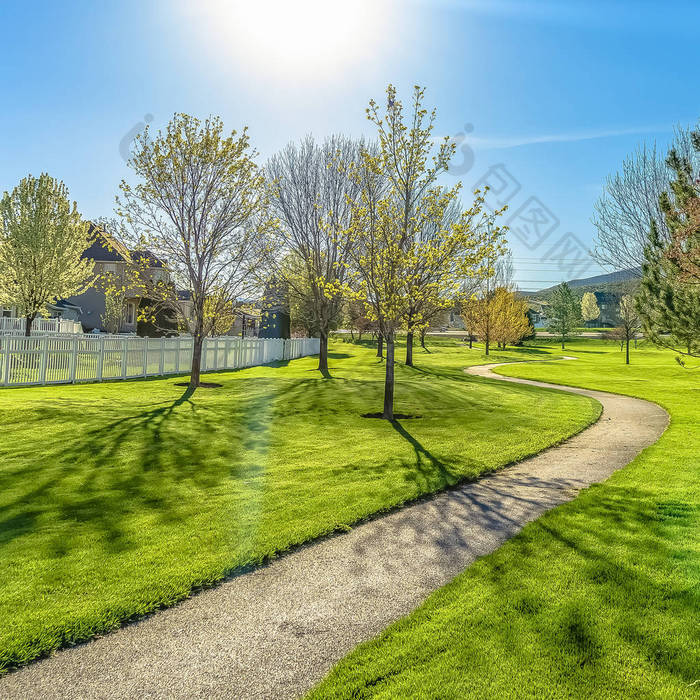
x=107 y=248
x=149 y=257
x=104 y=247
x=607 y=297
x=65 y=304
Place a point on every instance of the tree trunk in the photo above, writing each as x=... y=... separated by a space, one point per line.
x=380 y=345
x=323 y=352
x=471 y=341
x=486 y=344
x=409 y=349
x=389 y=381
x=627 y=354
x=197 y=342
x=422 y=340
x=28 y=324
x=563 y=341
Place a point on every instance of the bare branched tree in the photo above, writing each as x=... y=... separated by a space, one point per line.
x=311 y=191
x=630 y=203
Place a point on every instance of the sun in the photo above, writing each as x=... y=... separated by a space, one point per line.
x=300 y=38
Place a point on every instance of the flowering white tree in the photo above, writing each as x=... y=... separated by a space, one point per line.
x=42 y=241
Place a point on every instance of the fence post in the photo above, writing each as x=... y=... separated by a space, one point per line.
x=101 y=359
x=177 y=355
x=6 y=374
x=74 y=361
x=124 y=353
x=44 y=359
x=145 y=357
x=162 y=357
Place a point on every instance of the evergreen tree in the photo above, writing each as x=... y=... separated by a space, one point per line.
x=669 y=309
x=682 y=214
x=669 y=301
x=565 y=309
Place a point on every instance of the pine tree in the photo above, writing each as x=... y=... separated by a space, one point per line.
x=669 y=301
x=565 y=309
x=669 y=309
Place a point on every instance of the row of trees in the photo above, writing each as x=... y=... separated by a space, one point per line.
x=345 y=223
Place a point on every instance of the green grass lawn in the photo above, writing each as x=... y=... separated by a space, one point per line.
x=119 y=498
x=599 y=598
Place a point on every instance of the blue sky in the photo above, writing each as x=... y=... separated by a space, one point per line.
x=553 y=93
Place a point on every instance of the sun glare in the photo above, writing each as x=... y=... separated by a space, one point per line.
x=303 y=38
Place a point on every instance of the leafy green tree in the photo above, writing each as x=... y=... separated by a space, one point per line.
x=115 y=312
x=42 y=242
x=589 y=307
x=565 y=312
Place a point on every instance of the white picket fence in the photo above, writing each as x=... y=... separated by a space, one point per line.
x=41 y=326
x=84 y=358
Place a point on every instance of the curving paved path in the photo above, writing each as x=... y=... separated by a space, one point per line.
x=275 y=632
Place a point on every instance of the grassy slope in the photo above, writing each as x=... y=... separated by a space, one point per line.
x=598 y=598
x=118 y=498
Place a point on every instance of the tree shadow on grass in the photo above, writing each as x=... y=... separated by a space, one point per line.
x=425 y=460
x=150 y=463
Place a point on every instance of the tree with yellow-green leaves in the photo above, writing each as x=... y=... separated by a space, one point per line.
x=42 y=242
x=589 y=307
x=393 y=263
x=511 y=323
x=434 y=283
x=494 y=271
x=200 y=207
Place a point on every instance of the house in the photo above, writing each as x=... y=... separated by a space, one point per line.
x=60 y=309
x=246 y=321
x=537 y=313
x=609 y=305
x=275 y=316
x=112 y=258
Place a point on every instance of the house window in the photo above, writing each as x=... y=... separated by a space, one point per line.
x=130 y=313
x=6 y=312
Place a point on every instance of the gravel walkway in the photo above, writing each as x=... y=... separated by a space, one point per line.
x=275 y=632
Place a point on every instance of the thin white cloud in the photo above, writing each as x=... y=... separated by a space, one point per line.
x=502 y=142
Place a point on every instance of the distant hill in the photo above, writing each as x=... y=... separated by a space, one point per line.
x=610 y=282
